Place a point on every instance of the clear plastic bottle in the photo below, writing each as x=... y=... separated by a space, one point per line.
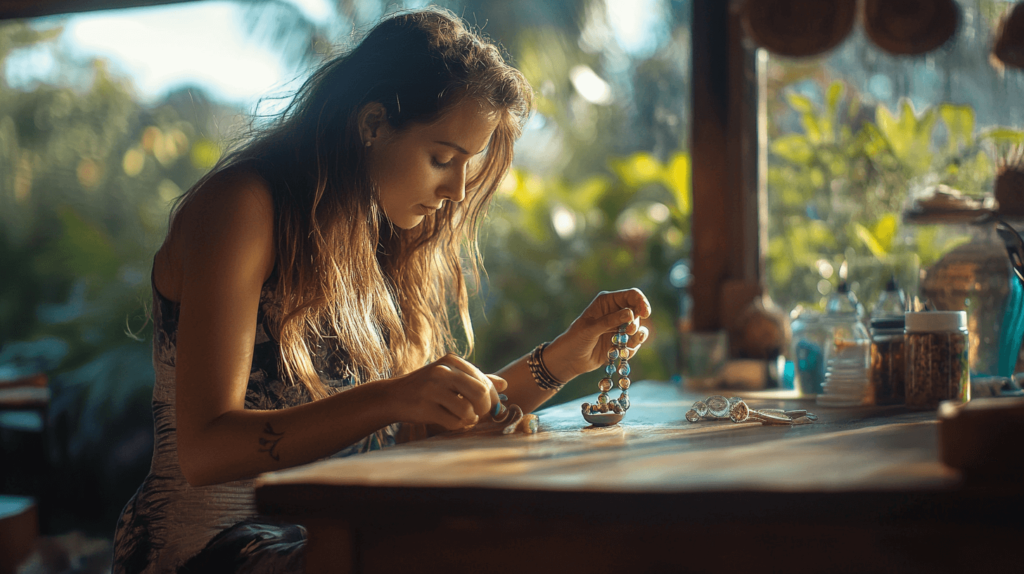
x=843 y=301
x=847 y=352
x=892 y=302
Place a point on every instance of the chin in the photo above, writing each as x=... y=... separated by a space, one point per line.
x=409 y=223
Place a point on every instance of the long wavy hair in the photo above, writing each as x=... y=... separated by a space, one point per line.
x=346 y=278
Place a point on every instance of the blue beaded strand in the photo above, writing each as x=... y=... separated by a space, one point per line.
x=618 y=363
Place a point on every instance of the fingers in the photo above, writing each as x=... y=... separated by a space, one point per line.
x=451 y=421
x=460 y=407
x=472 y=384
x=639 y=339
x=612 y=321
x=631 y=299
x=499 y=383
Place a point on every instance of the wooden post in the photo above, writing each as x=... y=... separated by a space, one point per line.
x=729 y=206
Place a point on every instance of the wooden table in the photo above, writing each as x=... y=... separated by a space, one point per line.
x=861 y=490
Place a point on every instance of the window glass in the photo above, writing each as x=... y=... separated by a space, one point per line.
x=857 y=134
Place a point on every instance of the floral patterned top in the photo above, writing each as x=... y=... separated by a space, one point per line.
x=171 y=526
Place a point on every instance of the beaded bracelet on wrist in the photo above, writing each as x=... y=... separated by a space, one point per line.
x=541 y=375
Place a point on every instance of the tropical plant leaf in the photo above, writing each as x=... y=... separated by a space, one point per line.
x=677 y=178
x=959 y=122
x=794 y=148
x=869 y=240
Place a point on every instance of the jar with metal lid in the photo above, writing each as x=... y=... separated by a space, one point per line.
x=888 y=360
x=937 y=358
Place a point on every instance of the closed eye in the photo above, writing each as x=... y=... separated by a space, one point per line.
x=437 y=164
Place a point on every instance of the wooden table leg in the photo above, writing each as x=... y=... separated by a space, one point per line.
x=329 y=548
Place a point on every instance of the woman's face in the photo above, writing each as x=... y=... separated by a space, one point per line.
x=420 y=167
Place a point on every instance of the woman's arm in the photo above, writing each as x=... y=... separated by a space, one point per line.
x=223 y=249
x=583 y=347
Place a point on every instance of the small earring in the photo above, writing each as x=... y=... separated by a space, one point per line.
x=368 y=143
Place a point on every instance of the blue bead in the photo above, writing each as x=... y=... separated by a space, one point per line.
x=609 y=369
x=602 y=399
x=624 y=401
x=623 y=368
x=613 y=354
x=623 y=338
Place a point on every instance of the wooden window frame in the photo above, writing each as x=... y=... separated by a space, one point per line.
x=728 y=148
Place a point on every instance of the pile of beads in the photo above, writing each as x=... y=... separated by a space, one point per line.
x=717 y=407
x=618 y=363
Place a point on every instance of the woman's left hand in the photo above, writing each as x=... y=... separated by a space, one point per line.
x=584 y=346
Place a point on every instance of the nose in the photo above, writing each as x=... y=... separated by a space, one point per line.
x=454 y=187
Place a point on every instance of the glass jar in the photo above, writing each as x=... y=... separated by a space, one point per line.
x=808 y=352
x=888 y=360
x=974 y=276
x=937 y=356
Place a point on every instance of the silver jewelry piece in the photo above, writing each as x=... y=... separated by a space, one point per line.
x=714 y=407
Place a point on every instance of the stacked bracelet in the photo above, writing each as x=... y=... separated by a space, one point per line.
x=540 y=372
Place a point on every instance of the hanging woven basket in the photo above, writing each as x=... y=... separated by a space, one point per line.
x=1009 y=47
x=798 y=28
x=910 y=27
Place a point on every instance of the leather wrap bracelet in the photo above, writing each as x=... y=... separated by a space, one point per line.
x=541 y=375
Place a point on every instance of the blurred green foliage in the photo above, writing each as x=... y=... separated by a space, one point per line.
x=551 y=245
x=839 y=183
x=87 y=174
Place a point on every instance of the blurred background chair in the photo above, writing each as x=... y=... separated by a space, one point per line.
x=24 y=403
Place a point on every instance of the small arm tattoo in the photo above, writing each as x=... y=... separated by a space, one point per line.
x=268 y=442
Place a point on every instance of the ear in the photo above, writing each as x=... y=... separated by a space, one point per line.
x=373 y=122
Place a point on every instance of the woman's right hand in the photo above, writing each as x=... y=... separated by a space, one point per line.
x=450 y=392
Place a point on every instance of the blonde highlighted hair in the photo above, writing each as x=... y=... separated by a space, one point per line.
x=345 y=277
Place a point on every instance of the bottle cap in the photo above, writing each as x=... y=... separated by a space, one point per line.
x=936 y=321
x=891 y=284
x=888 y=323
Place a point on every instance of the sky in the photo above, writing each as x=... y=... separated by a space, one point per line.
x=165 y=47
x=208 y=44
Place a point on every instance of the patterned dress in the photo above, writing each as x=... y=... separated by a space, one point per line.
x=170 y=526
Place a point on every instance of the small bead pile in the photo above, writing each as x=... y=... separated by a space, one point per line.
x=618 y=363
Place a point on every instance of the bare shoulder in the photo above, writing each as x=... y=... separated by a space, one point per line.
x=228 y=198
x=230 y=217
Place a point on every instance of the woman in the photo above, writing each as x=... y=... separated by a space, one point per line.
x=302 y=296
